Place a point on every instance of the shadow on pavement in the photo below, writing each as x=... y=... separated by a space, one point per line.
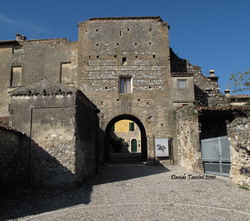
x=27 y=202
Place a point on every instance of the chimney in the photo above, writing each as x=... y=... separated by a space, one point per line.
x=211 y=73
x=227 y=92
x=20 y=37
x=212 y=77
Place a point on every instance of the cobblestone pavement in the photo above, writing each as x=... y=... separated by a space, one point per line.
x=134 y=192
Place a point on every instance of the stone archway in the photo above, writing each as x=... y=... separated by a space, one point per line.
x=144 y=152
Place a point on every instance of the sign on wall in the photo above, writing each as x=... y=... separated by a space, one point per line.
x=161 y=147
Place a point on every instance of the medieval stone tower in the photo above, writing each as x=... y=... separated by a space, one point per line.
x=124 y=68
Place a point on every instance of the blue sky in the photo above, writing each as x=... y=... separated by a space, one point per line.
x=212 y=34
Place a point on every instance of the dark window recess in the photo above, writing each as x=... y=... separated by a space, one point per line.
x=124 y=60
x=115 y=56
x=153 y=55
x=131 y=126
x=96 y=30
x=97 y=56
x=120 y=33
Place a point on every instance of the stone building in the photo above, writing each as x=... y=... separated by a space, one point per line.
x=66 y=96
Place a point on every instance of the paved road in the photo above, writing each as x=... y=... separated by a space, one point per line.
x=134 y=192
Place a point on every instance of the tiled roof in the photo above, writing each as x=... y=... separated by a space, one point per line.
x=228 y=108
x=50 y=39
x=181 y=74
x=45 y=87
x=240 y=96
x=8 y=42
x=128 y=18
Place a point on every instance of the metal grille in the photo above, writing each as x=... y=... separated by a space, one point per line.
x=216 y=155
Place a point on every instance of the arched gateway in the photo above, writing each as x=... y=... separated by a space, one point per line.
x=144 y=151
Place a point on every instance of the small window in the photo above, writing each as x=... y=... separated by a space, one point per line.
x=181 y=84
x=125 y=85
x=131 y=126
x=124 y=61
x=15 y=78
x=66 y=76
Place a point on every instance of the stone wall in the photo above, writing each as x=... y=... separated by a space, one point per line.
x=14 y=158
x=37 y=60
x=187 y=138
x=87 y=138
x=5 y=71
x=207 y=90
x=238 y=134
x=47 y=112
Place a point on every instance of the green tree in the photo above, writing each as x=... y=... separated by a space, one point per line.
x=240 y=81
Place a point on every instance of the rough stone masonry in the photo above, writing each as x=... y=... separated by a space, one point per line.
x=65 y=96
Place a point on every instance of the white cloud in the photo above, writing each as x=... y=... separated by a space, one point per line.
x=21 y=24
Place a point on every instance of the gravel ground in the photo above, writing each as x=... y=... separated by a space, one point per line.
x=134 y=192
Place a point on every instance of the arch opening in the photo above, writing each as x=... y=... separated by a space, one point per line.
x=131 y=145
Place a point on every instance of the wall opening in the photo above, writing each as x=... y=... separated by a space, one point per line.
x=124 y=61
x=125 y=138
x=16 y=76
x=65 y=73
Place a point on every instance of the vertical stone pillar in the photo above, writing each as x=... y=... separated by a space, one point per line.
x=187 y=138
x=238 y=134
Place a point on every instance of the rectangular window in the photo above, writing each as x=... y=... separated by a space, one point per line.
x=15 y=78
x=66 y=76
x=181 y=84
x=125 y=85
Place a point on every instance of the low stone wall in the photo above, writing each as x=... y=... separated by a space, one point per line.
x=187 y=138
x=238 y=134
x=13 y=159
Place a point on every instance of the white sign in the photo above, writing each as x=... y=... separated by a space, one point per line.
x=161 y=147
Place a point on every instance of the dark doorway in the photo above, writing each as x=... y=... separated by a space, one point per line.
x=134 y=145
x=107 y=138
